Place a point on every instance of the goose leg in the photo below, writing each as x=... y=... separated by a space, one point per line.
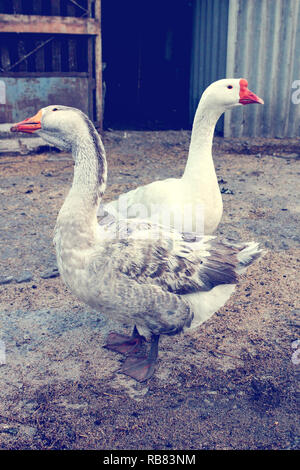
x=124 y=344
x=142 y=368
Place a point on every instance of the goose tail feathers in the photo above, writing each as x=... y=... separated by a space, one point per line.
x=247 y=255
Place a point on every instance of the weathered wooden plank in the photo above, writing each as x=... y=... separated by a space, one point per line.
x=90 y=67
x=79 y=8
x=37 y=7
x=17 y=6
x=39 y=58
x=56 y=55
x=5 y=57
x=98 y=66
x=97 y=9
x=16 y=62
x=48 y=24
x=55 y=7
x=3 y=6
x=30 y=44
x=39 y=55
x=91 y=81
x=56 y=43
x=21 y=53
x=72 y=43
x=43 y=74
x=89 y=8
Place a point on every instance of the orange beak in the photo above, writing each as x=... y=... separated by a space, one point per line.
x=29 y=125
x=247 y=96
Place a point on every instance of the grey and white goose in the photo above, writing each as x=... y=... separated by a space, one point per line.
x=143 y=274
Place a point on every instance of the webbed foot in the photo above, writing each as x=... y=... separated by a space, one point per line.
x=139 y=368
x=142 y=368
x=124 y=344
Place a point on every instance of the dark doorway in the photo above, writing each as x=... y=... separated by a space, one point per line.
x=147 y=54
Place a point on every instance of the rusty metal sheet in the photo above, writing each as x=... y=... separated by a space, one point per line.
x=25 y=95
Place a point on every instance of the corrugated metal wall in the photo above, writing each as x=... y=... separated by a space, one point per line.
x=209 y=43
x=264 y=47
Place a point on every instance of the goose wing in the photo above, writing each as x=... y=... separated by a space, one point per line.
x=180 y=263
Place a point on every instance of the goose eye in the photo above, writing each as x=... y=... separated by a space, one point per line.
x=55 y=109
x=229 y=86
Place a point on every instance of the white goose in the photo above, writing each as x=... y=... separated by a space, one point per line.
x=193 y=201
x=138 y=272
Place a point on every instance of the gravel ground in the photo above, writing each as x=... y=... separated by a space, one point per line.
x=231 y=384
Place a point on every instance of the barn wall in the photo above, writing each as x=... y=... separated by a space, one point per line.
x=26 y=95
x=264 y=47
x=50 y=53
x=209 y=43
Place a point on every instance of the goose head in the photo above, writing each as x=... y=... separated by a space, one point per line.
x=61 y=126
x=228 y=93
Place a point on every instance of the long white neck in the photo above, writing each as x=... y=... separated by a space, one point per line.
x=90 y=174
x=200 y=164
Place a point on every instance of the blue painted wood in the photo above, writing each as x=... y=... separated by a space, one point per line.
x=26 y=95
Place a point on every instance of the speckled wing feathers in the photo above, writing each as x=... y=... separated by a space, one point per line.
x=171 y=262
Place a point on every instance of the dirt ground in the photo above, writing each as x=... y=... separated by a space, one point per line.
x=231 y=384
